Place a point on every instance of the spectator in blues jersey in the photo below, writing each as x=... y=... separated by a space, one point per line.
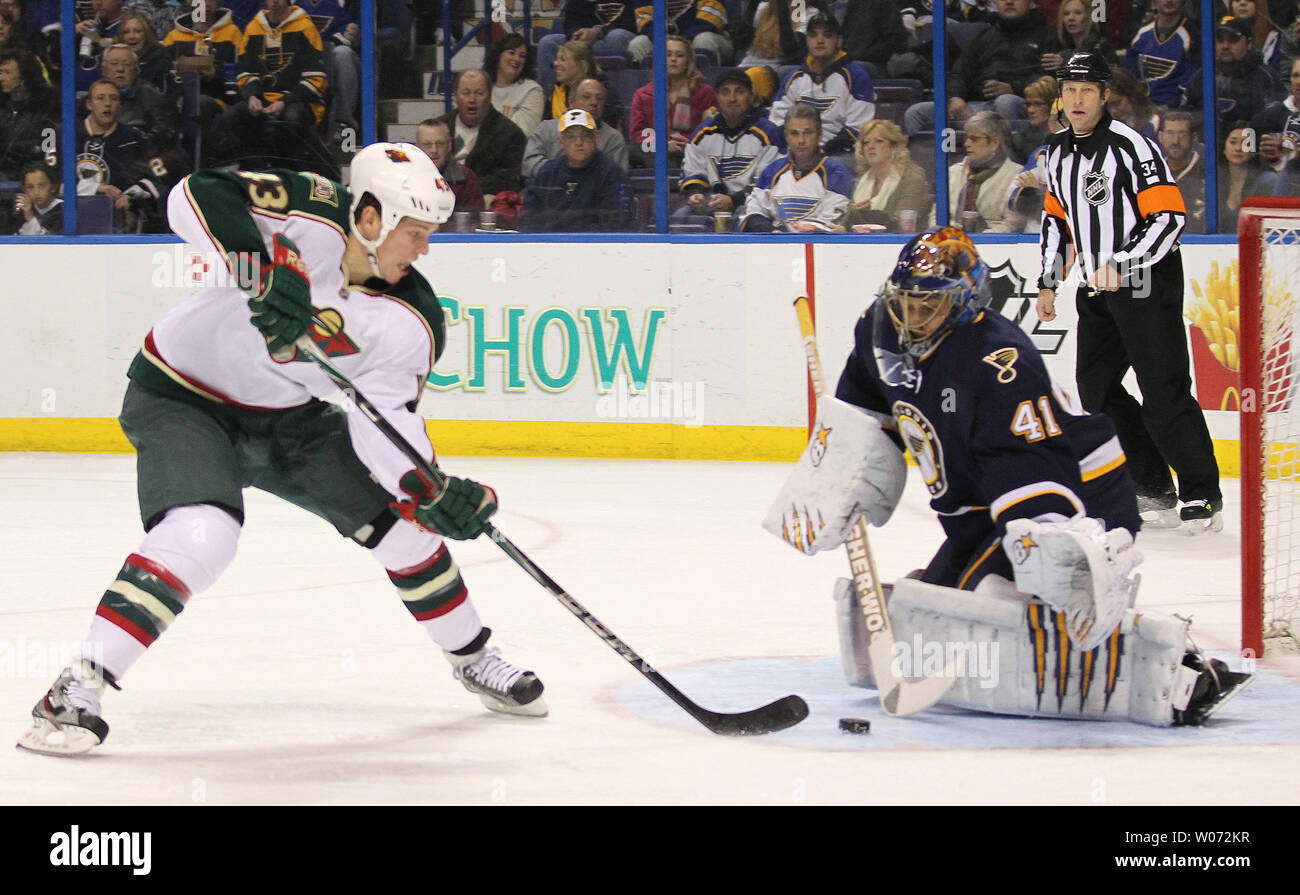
x=832 y=83
x=38 y=207
x=979 y=184
x=608 y=27
x=993 y=70
x=206 y=41
x=544 y=143
x=583 y=191
x=93 y=36
x=704 y=22
x=1164 y=52
x=890 y=183
x=282 y=81
x=341 y=36
x=728 y=152
x=1244 y=86
x=111 y=160
x=1025 y=204
x=1177 y=136
x=434 y=137
x=1278 y=131
x=803 y=192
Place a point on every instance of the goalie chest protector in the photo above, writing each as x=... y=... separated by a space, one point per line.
x=988 y=428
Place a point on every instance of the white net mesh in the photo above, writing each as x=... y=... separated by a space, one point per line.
x=1280 y=486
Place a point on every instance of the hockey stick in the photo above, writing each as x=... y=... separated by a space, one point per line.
x=785 y=712
x=897 y=696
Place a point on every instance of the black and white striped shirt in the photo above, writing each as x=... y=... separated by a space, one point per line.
x=1112 y=197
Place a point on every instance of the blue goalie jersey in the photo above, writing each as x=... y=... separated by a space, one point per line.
x=994 y=437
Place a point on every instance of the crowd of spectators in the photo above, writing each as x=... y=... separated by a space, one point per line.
x=265 y=83
x=244 y=83
x=1002 y=103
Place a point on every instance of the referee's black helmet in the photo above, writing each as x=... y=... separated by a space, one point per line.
x=1085 y=67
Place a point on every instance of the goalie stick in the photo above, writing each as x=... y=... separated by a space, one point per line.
x=785 y=712
x=897 y=696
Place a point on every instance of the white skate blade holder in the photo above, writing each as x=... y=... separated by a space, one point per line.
x=1195 y=527
x=48 y=738
x=535 y=709
x=1164 y=519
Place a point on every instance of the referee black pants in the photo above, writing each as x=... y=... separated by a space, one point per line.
x=1121 y=329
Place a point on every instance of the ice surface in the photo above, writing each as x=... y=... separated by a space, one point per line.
x=300 y=678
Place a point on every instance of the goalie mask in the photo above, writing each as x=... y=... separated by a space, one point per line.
x=405 y=183
x=939 y=282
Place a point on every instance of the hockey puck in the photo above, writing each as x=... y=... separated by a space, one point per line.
x=855 y=725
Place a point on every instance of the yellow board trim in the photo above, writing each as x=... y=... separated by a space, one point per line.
x=482 y=438
x=505 y=438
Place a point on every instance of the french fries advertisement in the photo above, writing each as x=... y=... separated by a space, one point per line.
x=1215 y=337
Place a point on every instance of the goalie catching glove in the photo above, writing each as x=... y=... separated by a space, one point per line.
x=850 y=468
x=1078 y=568
x=460 y=511
x=282 y=307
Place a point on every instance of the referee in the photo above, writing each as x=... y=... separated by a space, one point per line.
x=1112 y=201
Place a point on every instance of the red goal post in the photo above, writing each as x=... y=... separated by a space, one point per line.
x=1268 y=235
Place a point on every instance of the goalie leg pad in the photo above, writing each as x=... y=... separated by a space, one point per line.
x=849 y=468
x=1013 y=656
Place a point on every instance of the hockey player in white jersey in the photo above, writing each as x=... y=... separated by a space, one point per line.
x=219 y=400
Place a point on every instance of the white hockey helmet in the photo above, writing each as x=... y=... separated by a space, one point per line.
x=406 y=184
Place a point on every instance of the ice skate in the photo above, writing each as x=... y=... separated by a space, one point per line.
x=502 y=687
x=1199 y=516
x=1215 y=686
x=1159 y=512
x=67 y=719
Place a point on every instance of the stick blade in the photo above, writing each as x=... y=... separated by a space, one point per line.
x=908 y=698
x=785 y=712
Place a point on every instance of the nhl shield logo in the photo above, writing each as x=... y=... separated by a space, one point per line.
x=1096 y=187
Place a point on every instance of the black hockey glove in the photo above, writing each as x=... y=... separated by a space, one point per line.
x=282 y=307
x=460 y=512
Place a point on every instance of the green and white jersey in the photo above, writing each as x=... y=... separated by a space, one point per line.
x=384 y=337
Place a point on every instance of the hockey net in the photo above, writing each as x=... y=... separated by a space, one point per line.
x=1269 y=316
